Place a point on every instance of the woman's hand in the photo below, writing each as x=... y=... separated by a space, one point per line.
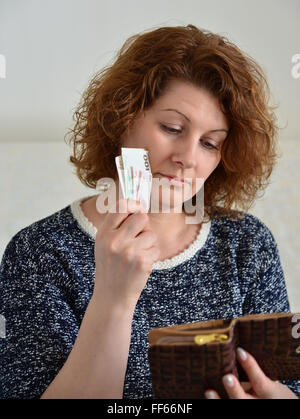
x=125 y=250
x=258 y=387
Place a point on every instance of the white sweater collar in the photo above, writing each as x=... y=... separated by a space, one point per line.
x=185 y=255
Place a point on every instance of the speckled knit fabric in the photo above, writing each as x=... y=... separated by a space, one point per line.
x=47 y=276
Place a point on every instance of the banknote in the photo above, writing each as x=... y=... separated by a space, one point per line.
x=135 y=175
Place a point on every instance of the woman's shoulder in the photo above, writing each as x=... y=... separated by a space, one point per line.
x=45 y=226
x=249 y=239
x=242 y=227
x=40 y=236
x=240 y=220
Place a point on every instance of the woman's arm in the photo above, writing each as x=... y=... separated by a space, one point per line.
x=96 y=365
x=124 y=255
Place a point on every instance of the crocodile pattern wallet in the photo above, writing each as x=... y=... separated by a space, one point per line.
x=188 y=359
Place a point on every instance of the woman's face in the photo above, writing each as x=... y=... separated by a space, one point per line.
x=183 y=132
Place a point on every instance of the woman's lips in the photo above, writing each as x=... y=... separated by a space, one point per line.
x=175 y=180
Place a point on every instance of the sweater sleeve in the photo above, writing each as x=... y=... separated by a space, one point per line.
x=40 y=327
x=267 y=293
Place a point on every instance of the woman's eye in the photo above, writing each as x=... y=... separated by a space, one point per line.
x=206 y=144
x=209 y=145
x=170 y=130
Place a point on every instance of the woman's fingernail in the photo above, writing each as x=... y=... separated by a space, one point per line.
x=228 y=381
x=242 y=354
x=210 y=395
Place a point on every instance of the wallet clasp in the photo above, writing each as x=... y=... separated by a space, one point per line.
x=213 y=337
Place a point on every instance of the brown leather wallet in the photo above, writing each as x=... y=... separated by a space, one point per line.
x=188 y=359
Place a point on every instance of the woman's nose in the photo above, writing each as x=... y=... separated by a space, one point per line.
x=185 y=154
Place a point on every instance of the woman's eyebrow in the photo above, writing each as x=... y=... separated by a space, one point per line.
x=180 y=113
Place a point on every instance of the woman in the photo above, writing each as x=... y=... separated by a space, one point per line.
x=81 y=289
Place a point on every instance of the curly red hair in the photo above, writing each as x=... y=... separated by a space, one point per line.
x=140 y=74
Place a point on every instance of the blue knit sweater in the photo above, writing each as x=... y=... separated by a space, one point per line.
x=46 y=281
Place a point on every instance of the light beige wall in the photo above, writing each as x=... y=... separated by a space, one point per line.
x=52 y=49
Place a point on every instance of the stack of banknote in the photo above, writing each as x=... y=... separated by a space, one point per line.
x=135 y=175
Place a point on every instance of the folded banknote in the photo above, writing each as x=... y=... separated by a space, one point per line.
x=135 y=175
